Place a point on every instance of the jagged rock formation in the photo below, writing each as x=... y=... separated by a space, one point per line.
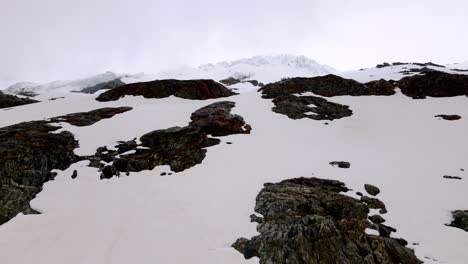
x=460 y=219
x=386 y=64
x=187 y=89
x=102 y=86
x=28 y=154
x=328 y=85
x=178 y=147
x=91 y=117
x=7 y=100
x=434 y=84
x=449 y=117
x=308 y=221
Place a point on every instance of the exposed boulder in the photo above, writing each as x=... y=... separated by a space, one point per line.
x=449 y=117
x=102 y=86
x=91 y=117
x=452 y=177
x=328 y=85
x=7 y=100
x=187 y=89
x=28 y=154
x=216 y=119
x=371 y=189
x=308 y=221
x=232 y=81
x=460 y=219
x=434 y=84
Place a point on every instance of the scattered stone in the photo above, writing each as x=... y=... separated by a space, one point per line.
x=163 y=174
x=359 y=193
x=341 y=164
x=74 y=174
x=449 y=117
x=56 y=98
x=460 y=219
x=452 y=177
x=7 y=100
x=187 y=89
x=170 y=173
x=256 y=219
x=376 y=219
x=91 y=117
x=229 y=143
x=371 y=189
x=28 y=154
x=308 y=221
x=462 y=169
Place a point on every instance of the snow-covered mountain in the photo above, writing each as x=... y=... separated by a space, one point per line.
x=107 y=203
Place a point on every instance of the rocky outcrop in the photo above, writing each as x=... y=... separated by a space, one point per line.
x=178 y=147
x=460 y=219
x=216 y=119
x=102 y=86
x=328 y=85
x=449 y=117
x=91 y=117
x=308 y=221
x=434 y=84
x=187 y=89
x=28 y=154
x=7 y=100
x=371 y=189
x=232 y=81
x=313 y=107
x=452 y=177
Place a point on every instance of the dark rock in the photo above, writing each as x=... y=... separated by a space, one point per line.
x=449 y=117
x=91 y=117
x=229 y=143
x=434 y=84
x=56 y=98
x=308 y=221
x=216 y=119
x=7 y=100
x=297 y=107
x=373 y=203
x=179 y=147
x=359 y=193
x=462 y=169
x=384 y=230
x=256 y=219
x=74 y=174
x=230 y=81
x=460 y=219
x=108 y=172
x=187 y=89
x=28 y=154
x=371 y=189
x=383 y=65
x=452 y=177
x=328 y=85
x=102 y=86
x=341 y=164
x=376 y=219
x=163 y=174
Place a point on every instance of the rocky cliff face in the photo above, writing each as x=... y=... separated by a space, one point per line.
x=7 y=100
x=434 y=84
x=309 y=221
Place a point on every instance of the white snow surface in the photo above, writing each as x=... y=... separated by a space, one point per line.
x=393 y=142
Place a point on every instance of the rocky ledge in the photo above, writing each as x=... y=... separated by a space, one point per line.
x=7 y=100
x=178 y=147
x=91 y=117
x=328 y=85
x=187 y=89
x=28 y=154
x=309 y=221
x=102 y=86
x=449 y=117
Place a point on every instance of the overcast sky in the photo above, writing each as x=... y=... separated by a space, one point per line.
x=44 y=40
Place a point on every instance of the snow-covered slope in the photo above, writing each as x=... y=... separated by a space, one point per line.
x=194 y=216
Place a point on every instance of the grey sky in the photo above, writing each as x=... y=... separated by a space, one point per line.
x=43 y=40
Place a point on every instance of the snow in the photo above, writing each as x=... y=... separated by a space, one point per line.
x=393 y=142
